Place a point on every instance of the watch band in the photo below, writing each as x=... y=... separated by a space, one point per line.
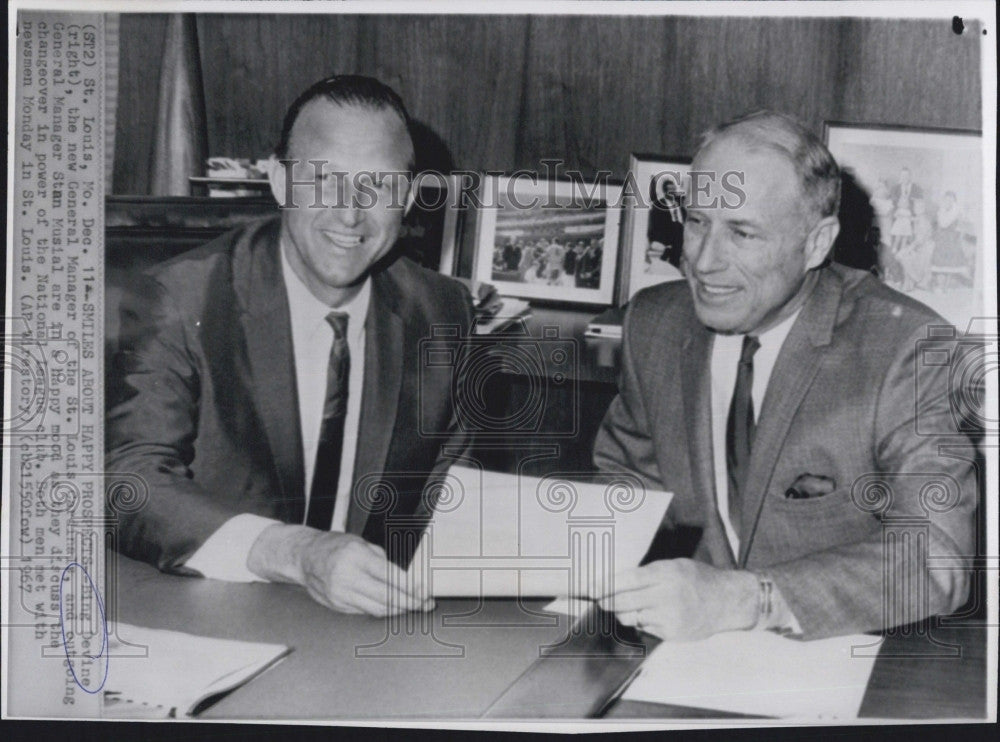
x=765 y=602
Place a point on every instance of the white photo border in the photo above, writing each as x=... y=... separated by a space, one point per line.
x=635 y=221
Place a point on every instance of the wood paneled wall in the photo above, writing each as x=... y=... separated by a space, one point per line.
x=504 y=92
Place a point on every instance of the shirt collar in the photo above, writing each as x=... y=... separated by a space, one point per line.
x=775 y=336
x=308 y=311
x=772 y=338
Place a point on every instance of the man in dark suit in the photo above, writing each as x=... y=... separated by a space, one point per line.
x=779 y=519
x=511 y=255
x=273 y=396
x=666 y=220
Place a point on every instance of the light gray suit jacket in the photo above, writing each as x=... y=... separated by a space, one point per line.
x=852 y=399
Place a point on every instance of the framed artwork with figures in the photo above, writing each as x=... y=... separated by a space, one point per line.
x=925 y=190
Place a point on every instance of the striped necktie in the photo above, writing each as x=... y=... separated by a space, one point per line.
x=326 y=473
x=740 y=430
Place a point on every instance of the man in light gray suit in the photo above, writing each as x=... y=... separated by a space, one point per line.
x=786 y=402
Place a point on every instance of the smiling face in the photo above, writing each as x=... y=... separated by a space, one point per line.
x=749 y=266
x=366 y=154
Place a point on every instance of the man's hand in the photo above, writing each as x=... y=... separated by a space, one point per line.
x=683 y=599
x=339 y=570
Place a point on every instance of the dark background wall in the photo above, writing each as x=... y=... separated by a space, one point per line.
x=504 y=92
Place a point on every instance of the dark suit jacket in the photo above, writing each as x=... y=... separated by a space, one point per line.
x=915 y=193
x=843 y=403
x=205 y=407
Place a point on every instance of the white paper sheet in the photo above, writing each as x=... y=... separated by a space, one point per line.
x=511 y=310
x=179 y=671
x=762 y=674
x=574 y=607
x=505 y=535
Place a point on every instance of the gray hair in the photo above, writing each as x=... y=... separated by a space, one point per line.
x=819 y=174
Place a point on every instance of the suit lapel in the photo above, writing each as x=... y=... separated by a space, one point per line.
x=696 y=384
x=266 y=326
x=384 y=340
x=798 y=362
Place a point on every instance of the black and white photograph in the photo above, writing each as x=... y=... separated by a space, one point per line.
x=553 y=240
x=430 y=231
x=653 y=229
x=925 y=191
x=565 y=366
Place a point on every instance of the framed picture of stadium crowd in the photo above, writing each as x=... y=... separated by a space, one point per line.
x=554 y=240
x=925 y=191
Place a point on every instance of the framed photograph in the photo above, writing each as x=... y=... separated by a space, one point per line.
x=924 y=190
x=555 y=240
x=653 y=229
x=430 y=228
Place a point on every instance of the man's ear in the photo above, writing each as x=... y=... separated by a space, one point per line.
x=820 y=241
x=276 y=179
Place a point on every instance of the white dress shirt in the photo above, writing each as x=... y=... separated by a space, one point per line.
x=726 y=350
x=224 y=554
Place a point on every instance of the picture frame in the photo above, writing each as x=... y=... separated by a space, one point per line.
x=430 y=229
x=646 y=260
x=920 y=193
x=549 y=240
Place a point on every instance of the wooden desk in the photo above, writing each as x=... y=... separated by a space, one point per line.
x=482 y=650
x=494 y=660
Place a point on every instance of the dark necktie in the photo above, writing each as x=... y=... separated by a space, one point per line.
x=740 y=430
x=326 y=473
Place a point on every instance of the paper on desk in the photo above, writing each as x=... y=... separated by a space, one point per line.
x=760 y=673
x=179 y=671
x=574 y=607
x=510 y=310
x=508 y=535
